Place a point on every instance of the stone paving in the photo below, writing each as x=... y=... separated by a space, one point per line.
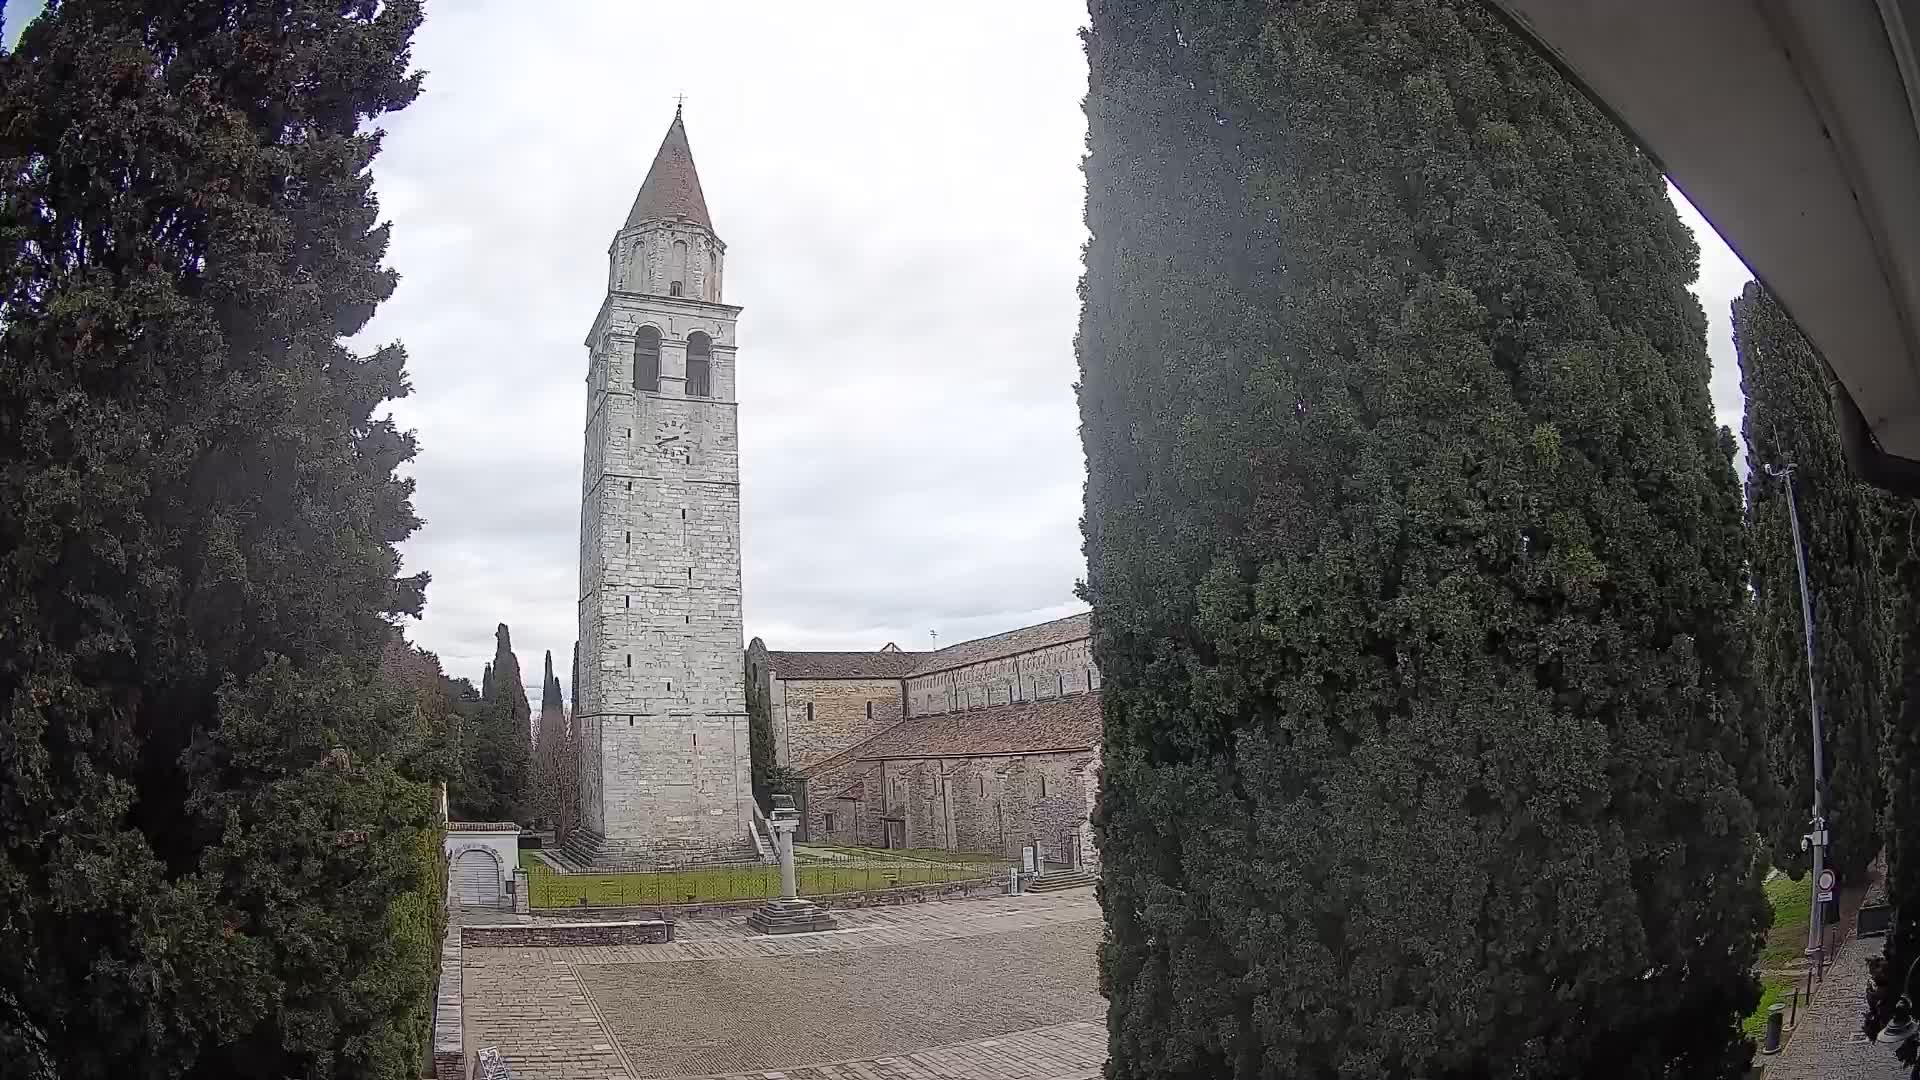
x=993 y=989
x=1828 y=1041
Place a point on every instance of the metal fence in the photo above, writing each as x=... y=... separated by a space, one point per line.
x=820 y=872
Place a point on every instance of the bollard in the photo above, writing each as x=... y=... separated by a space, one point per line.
x=1776 y=1017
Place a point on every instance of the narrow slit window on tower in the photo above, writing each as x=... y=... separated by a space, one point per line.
x=669 y=686
x=629 y=536
x=1043 y=785
x=809 y=712
x=629 y=659
x=699 y=365
x=983 y=787
x=1063 y=682
x=626 y=601
x=869 y=710
x=646 y=360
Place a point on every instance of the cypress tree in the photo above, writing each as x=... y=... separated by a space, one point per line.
x=508 y=687
x=496 y=775
x=550 y=794
x=1415 y=562
x=217 y=854
x=1790 y=420
x=1896 y=973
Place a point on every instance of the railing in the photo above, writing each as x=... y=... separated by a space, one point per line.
x=820 y=872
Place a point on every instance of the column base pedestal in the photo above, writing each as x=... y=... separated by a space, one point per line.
x=795 y=915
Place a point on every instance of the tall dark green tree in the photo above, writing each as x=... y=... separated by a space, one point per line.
x=1415 y=560
x=551 y=792
x=1790 y=420
x=509 y=689
x=760 y=748
x=216 y=846
x=496 y=771
x=1896 y=973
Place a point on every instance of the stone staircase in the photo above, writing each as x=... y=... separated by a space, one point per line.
x=1057 y=880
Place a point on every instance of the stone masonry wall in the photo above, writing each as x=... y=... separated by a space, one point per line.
x=662 y=703
x=1030 y=676
x=844 y=712
x=994 y=805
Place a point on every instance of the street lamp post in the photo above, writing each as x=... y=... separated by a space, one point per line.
x=1815 y=841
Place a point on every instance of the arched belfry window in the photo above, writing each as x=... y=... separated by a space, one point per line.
x=677 y=269
x=699 y=365
x=646 y=360
x=713 y=277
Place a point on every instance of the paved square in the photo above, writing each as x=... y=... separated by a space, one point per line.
x=696 y=1019
x=989 y=989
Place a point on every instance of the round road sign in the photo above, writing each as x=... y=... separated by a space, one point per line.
x=1826 y=881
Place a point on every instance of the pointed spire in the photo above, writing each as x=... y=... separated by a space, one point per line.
x=672 y=187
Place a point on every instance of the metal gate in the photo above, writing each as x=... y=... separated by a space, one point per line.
x=478 y=878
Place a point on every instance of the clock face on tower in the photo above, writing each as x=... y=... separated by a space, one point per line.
x=670 y=439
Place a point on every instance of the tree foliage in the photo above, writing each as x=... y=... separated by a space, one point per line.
x=1415 y=562
x=1789 y=420
x=1896 y=974
x=553 y=795
x=217 y=854
x=760 y=749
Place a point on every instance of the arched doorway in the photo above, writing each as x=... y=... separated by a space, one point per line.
x=476 y=874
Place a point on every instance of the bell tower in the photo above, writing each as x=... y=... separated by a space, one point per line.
x=662 y=719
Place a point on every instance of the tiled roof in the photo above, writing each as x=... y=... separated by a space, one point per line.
x=1025 y=639
x=1024 y=727
x=842 y=665
x=672 y=187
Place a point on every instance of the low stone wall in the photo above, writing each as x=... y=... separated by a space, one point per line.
x=523 y=935
x=449 y=1034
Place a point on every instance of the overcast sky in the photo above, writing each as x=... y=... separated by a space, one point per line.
x=899 y=189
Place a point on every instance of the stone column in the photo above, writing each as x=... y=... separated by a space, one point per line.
x=789 y=914
x=783 y=830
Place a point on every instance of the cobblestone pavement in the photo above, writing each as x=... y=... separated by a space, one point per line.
x=1073 y=1051
x=994 y=989
x=1827 y=1042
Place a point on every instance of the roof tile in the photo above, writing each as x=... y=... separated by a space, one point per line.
x=842 y=665
x=672 y=187
x=1025 y=639
x=1023 y=727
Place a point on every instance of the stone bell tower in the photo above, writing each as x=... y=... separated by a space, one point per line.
x=662 y=719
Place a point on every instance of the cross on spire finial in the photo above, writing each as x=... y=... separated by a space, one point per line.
x=678 y=101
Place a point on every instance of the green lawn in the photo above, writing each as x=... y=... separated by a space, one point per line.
x=547 y=889
x=1772 y=988
x=1787 y=942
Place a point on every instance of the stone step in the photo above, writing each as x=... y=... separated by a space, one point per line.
x=791 y=916
x=1056 y=880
